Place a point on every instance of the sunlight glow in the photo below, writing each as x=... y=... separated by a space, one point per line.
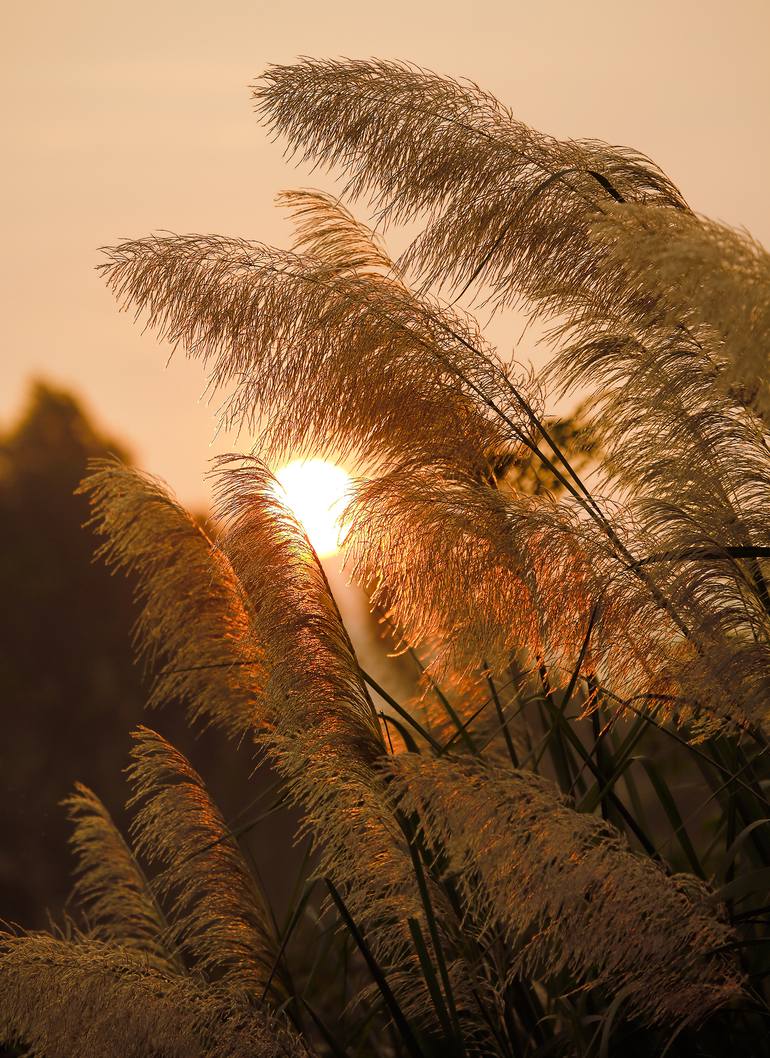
x=316 y=492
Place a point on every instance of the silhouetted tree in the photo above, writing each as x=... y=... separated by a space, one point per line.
x=71 y=688
x=69 y=683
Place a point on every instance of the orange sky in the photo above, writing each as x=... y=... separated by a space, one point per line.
x=119 y=119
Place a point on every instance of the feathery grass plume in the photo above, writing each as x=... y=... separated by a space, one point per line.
x=217 y=911
x=476 y=602
x=323 y=355
x=694 y=472
x=462 y=426
x=194 y=630
x=324 y=228
x=689 y=461
x=87 y=999
x=502 y=199
x=112 y=888
x=323 y=734
x=569 y=893
x=700 y=274
x=448 y=419
x=325 y=737
x=314 y=686
x=517 y=573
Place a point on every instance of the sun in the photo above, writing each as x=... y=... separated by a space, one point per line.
x=316 y=492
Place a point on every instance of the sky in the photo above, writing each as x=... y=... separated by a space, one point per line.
x=123 y=119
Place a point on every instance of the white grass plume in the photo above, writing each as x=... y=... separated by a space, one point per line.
x=194 y=631
x=112 y=888
x=322 y=355
x=217 y=912
x=323 y=734
x=703 y=275
x=314 y=684
x=692 y=467
x=326 y=229
x=86 y=999
x=517 y=573
x=503 y=201
x=567 y=891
